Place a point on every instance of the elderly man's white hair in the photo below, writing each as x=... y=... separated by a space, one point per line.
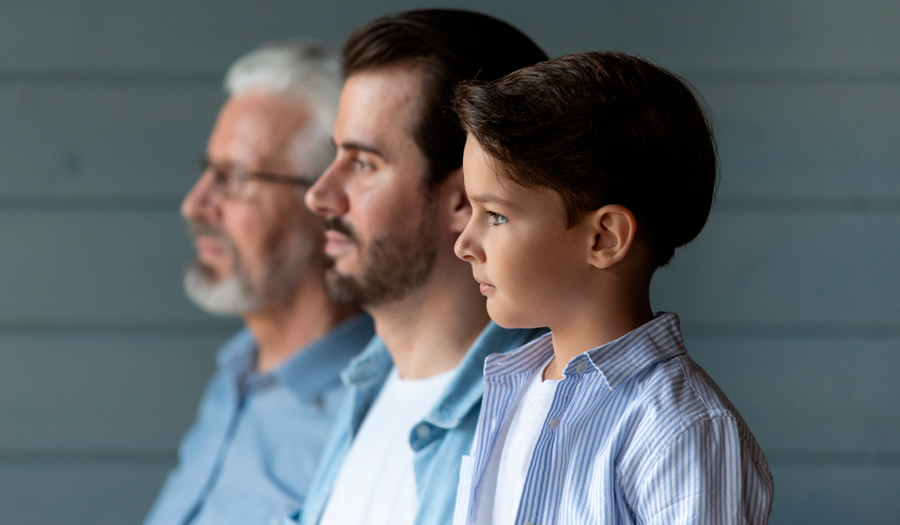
x=308 y=71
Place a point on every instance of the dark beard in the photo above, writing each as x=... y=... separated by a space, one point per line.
x=394 y=266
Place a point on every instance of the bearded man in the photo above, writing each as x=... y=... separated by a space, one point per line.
x=394 y=204
x=267 y=411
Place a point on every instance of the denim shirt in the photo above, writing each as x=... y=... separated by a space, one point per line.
x=439 y=440
x=249 y=457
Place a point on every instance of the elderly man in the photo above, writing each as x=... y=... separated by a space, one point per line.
x=267 y=411
x=395 y=203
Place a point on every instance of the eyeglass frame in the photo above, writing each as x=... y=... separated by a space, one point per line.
x=235 y=172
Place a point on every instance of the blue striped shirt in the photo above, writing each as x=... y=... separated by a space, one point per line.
x=643 y=436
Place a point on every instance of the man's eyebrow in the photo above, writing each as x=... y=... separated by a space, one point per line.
x=359 y=146
x=490 y=198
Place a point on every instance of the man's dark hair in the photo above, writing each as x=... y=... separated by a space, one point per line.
x=450 y=46
x=602 y=128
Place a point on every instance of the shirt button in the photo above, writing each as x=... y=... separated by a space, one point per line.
x=423 y=431
x=554 y=422
x=580 y=367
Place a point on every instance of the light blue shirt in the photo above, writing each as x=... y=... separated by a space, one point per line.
x=636 y=433
x=439 y=440
x=249 y=457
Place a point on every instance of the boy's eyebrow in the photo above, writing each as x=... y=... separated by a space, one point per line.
x=490 y=198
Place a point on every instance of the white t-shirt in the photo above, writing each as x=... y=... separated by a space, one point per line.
x=377 y=483
x=501 y=486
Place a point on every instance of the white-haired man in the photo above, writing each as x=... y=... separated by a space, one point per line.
x=267 y=411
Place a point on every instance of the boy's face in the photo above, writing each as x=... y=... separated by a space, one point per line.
x=530 y=266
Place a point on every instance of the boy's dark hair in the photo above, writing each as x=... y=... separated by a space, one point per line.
x=602 y=128
x=451 y=46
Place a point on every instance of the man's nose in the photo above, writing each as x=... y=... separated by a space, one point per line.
x=327 y=196
x=200 y=203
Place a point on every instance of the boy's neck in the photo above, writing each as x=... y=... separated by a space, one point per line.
x=597 y=323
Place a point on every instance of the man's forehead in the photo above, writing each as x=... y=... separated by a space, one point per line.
x=257 y=127
x=403 y=78
x=382 y=99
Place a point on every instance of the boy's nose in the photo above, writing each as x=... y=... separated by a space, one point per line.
x=467 y=248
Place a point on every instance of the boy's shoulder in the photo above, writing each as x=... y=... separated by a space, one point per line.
x=677 y=397
x=679 y=390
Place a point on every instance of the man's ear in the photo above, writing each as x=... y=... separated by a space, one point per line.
x=459 y=210
x=612 y=229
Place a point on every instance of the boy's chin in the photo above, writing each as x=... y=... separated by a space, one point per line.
x=509 y=318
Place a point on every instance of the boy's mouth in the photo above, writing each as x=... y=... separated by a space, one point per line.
x=485 y=288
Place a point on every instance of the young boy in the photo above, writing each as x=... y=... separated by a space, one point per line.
x=585 y=173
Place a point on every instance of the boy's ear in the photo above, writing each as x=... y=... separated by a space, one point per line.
x=613 y=228
x=456 y=201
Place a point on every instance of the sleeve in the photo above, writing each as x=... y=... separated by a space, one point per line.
x=707 y=475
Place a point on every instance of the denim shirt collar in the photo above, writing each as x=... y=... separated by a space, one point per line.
x=466 y=388
x=368 y=372
x=617 y=360
x=237 y=356
x=311 y=369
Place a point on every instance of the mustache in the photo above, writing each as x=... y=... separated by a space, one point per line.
x=337 y=225
x=202 y=229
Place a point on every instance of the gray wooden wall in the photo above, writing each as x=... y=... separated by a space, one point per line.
x=789 y=298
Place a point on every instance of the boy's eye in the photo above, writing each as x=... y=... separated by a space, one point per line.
x=496 y=219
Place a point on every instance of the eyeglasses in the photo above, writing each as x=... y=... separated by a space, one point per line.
x=232 y=180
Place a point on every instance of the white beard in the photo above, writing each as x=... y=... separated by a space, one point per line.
x=241 y=293
x=230 y=296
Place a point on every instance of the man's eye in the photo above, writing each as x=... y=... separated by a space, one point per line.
x=363 y=165
x=496 y=219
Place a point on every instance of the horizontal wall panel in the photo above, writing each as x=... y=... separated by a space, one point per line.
x=138 y=142
x=817 y=400
x=830 y=270
x=138 y=394
x=835 y=495
x=750 y=268
x=98 y=397
x=170 y=34
x=141 y=142
x=796 y=141
x=95 y=266
x=95 y=494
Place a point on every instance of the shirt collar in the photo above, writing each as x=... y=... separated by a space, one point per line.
x=319 y=364
x=238 y=355
x=312 y=367
x=371 y=367
x=467 y=386
x=655 y=341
